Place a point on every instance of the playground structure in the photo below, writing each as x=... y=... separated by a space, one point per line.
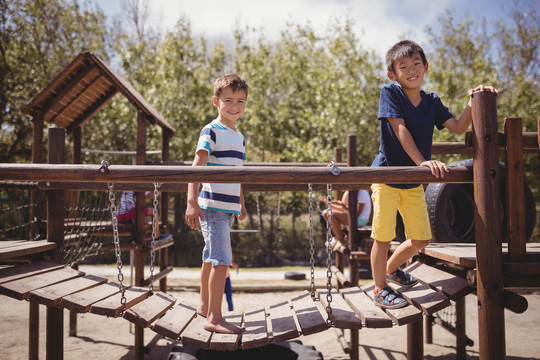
x=490 y=271
x=69 y=101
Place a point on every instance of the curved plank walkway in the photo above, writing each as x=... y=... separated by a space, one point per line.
x=51 y=284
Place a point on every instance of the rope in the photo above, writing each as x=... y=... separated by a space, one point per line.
x=85 y=220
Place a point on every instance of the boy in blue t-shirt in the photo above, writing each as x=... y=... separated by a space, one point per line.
x=407 y=117
x=214 y=208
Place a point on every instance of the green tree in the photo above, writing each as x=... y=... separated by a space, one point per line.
x=309 y=91
x=506 y=56
x=39 y=38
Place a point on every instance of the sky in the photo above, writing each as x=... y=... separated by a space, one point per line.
x=379 y=23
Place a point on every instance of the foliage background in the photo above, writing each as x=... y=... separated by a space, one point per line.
x=309 y=90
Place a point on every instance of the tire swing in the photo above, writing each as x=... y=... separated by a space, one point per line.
x=451 y=209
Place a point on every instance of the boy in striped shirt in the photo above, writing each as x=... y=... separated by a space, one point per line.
x=213 y=209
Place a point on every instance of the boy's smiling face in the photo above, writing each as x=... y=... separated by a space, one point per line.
x=231 y=105
x=409 y=71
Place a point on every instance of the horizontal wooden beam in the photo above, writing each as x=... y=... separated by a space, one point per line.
x=229 y=174
x=182 y=187
x=530 y=143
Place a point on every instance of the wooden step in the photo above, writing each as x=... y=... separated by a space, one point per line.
x=26 y=270
x=10 y=250
x=423 y=297
x=175 y=320
x=256 y=334
x=451 y=285
x=112 y=306
x=282 y=322
x=195 y=335
x=227 y=342
x=309 y=317
x=53 y=294
x=342 y=315
x=152 y=308
x=82 y=301
x=401 y=316
x=21 y=288
x=371 y=315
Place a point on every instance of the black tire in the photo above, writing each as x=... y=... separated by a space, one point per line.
x=451 y=209
x=294 y=275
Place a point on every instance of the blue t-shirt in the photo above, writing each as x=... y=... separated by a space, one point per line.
x=419 y=120
x=225 y=147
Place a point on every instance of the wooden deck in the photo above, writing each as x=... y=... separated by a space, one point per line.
x=15 y=249
x=465 y=254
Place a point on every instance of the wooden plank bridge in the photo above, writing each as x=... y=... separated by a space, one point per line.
x=54 y=285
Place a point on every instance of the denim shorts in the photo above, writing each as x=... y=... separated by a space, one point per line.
x=216 y=230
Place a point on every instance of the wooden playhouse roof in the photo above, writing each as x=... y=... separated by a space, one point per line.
x=82 y=89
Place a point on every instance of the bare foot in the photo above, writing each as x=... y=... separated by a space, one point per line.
x=223 y=327
x=202 y=312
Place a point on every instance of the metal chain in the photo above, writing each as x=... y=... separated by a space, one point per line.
x=117 y=250
x=258 y=200
x=329 y=258
x=311 y=242
x=278 y=219
x=155 y=224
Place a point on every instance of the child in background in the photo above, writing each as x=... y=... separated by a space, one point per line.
x=228 y=286
x=126 y=209
x=340 y=214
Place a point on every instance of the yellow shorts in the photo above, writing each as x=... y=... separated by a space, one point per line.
x=411 y=204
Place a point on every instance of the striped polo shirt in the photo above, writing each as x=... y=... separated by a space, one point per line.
x=226 y=147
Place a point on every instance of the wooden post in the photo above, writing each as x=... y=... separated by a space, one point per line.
x=428 y=325
x=353 y=214
x=164 y=211
x=140 y=204
x=461 y=337
x=515 y=191
x=33 y=336
x=353 y=238
x=75 y=159
x=338 y=157
x=55 y=198
x=415 y=342
x=37 y=151
x=55 y=233
x=340 y=259
x=77 y=145
x=487 y=227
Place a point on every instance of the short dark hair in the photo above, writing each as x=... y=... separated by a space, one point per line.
x=405 y=48
x=234 y=81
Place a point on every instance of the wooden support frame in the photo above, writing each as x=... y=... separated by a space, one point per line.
x=140 y=202
x=486 y=178
x=55 y=233
x=353 y=239
x=74 y=96
x=488 y=239
x=515 y=197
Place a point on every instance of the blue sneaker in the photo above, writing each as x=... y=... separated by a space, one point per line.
x=402 y=278
x=388 y=299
